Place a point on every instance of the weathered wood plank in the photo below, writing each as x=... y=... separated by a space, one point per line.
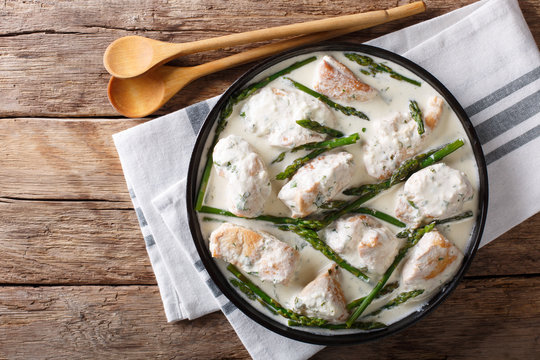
x=51 y=66
x=515 y=252
x=501 y=323
x=207 y=15
x=98 y=322
x=71 y=243
x=162 y=15
x=127 y=321
x=66 y=242
x=52 y=53
x=55 y=242
x=61 y=159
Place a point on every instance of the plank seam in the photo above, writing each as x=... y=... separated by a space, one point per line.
x=3 y=198
x=469 y=278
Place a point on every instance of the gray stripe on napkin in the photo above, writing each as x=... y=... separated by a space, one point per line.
x=513 y=145
x=196 y=114
x=228 y=308
x=149 y=240
x=199 y=265
x=131 y=193
x=140 y=216
x=213 y=288
x=503 y=92
x=507 y=119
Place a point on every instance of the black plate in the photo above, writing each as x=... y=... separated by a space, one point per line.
x=195 y=170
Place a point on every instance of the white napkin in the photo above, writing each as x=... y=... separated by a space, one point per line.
x=484 y=53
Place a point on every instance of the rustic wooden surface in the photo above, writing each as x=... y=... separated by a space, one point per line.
x=75 y=278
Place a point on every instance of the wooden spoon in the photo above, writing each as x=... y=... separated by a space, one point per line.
x=142 y=95
x=132 y=56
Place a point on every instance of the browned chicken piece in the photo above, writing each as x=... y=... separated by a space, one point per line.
x=319 y=181
x=323 y=297
x=432 y=262
x=364 y=242
x=433 y=111
x=257 y=253
x=335 y=80
x=398 y=139
x=436 y=192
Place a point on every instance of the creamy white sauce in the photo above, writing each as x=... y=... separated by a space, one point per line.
x=281 y=109
x=248 y=180
x=436 y=192
x=394 y=96
x=317 y=183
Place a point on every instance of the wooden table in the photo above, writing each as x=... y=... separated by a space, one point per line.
x=75 y=276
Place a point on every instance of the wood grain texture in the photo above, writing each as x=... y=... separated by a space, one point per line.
x=44 y=40
x=61 y=159
x=66 y=218
x=60 y=242
x=103 y=322
x=54 y=240
x=502 y=324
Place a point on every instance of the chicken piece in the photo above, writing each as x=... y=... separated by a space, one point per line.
x=335 y=80
x=433 y=111
x=364 y=242
x=257 y=253
x=432 y=262
x=396 y=139
x=317 y=182
x=323 y=298
x=273 y=113
x=248 y=181
x=436 y=192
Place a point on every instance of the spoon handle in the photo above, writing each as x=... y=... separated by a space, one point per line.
x=358 y=21
x=274 y=48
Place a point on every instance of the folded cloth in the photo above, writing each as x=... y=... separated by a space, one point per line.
x=484 y=53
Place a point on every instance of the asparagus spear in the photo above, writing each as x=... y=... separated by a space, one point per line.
x=250 y=89
x=227 y=111
x=375 y=68
x=211 y=219
x=408 y=232
x=332 y=204
x=398 y=300
x=407 y=168
x=464 y=215
x=369 y=191
x=384 y=291
x=371 y=325
x=416 y=114
x=326 y=144
x=222 y=122
x=279 y=158
x=298 y=163
x=311 y=237
x=319 y=128
x=273 y=219
x=347 y=110
x=250 y=294
x=412 y=240
x=254 y=290
x=379 y=215
x=320 y=148
x=243 y=288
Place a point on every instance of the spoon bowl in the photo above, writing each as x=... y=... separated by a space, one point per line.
x=129 y=56
x=142 y=95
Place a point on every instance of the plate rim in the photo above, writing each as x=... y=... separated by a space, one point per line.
x=220 y=279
